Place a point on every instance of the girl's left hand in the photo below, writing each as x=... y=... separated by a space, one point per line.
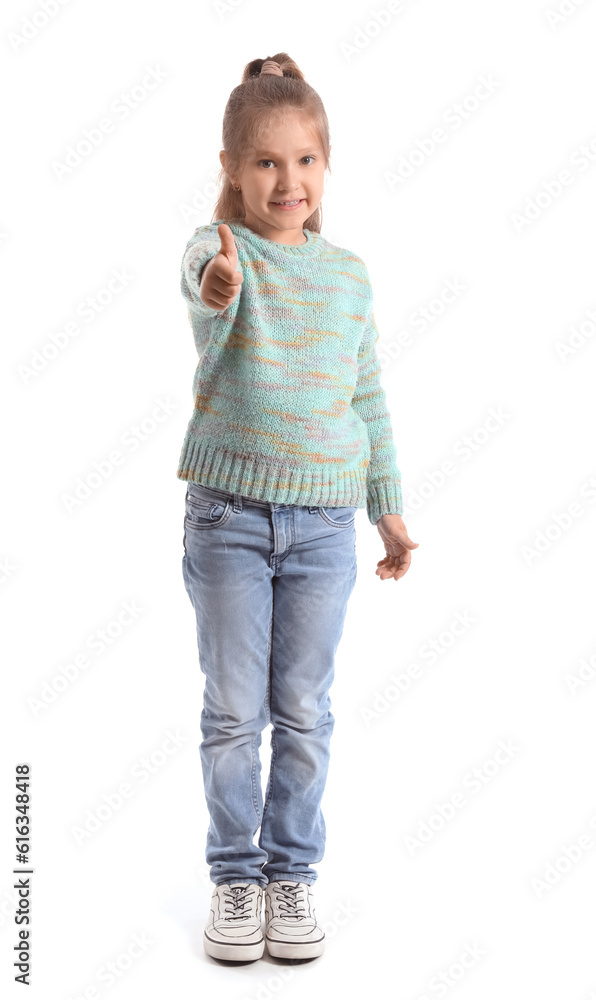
x=397 y=546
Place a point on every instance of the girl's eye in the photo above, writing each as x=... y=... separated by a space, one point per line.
x=308 y=157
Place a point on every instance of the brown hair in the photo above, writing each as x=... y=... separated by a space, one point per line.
x=258 y=102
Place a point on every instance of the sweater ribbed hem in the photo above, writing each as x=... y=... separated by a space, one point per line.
x=254 y=476
x=262 y=479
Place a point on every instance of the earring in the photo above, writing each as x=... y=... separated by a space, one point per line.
x=236 y=187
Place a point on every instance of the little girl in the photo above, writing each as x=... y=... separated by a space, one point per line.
x=289 y=436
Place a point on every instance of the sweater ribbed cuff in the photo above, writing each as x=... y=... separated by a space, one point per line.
x=383 y=497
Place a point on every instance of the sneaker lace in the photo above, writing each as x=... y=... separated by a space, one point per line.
x=289 y=899
x=240 y=898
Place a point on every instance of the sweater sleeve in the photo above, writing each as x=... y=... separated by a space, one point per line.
x=383 y=478
x=202 y=246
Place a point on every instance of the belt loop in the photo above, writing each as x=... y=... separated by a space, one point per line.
x=237 y=503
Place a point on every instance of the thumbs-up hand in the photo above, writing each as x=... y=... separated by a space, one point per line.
x=221 y=281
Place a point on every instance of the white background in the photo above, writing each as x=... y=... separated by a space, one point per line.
x=493 y=880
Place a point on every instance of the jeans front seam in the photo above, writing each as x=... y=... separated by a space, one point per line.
x=269 y=647
x=255 y=800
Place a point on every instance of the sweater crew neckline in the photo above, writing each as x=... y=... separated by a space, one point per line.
x=311 y=248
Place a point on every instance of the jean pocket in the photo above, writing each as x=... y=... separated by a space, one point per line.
x=339 y=517
x=206 y=511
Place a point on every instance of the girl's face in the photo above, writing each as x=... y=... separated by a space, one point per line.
x=287 y=165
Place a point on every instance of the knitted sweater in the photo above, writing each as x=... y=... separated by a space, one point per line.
x=288 y=403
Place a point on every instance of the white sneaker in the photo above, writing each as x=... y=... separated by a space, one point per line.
x=233 y=931
x=291 y=929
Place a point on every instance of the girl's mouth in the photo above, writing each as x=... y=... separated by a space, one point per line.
x=287 y=206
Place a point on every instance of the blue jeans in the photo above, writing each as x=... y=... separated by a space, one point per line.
x=269 y=584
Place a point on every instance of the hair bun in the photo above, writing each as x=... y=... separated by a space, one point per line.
x=272 y=67
x=281 y=64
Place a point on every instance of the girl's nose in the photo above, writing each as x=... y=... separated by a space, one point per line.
x=286 y=183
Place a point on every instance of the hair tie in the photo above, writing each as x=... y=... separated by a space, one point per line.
x=272 y=67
